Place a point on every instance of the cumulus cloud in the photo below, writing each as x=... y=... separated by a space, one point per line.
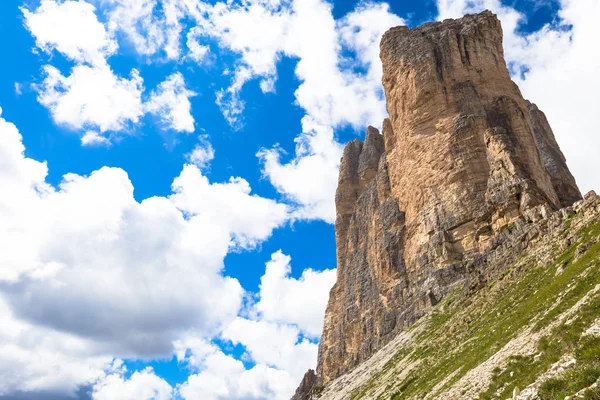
x=256 y=30
x=274 y=341
x=310 y=178
x=197 y=52
x=149 y=26
x=37 y=359
x=70 y=27
x=93 y=138
x=228 y=208
x=141 y=385
x=119 y=278
x=222 y=377
x=92 y=97
x=300 y=302
x=202 y=154
x=553 y=64
x=273 y=344
x=171 y=103
x=332 y=91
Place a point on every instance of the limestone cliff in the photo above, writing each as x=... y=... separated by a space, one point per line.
x=462 y=158
x=525 y=326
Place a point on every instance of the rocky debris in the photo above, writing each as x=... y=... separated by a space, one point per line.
x=594 y=330
x=582 y=249
x=558 y=368
x=594 y=388
x=516 y=393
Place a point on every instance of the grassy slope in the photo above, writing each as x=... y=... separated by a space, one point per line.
x=463 y=332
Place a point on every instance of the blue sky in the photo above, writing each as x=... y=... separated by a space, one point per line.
x=198 y=265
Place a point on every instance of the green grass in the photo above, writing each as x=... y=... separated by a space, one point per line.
x=400 y=354
x=564 y=339
x=463 y=332
x=317 y=390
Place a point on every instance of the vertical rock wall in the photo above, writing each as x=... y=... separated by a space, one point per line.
x=465 y=161
x=363 y=304
x=462 y=156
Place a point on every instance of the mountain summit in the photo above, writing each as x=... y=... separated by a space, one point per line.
x=465 y=196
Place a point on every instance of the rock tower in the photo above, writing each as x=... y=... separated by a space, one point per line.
x=461 y=157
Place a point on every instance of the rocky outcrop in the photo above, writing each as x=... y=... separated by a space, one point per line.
x=361 y=313
x=462 y=158
x=527 y=310
x=307 y=387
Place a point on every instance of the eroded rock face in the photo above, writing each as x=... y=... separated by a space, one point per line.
x=462 y=157
x=464 y=160
x=363 y=304
x=553 y=159
x=306 y=388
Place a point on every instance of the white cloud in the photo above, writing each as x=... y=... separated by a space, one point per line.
x=273 y=344
x=36 y=359
x=253 y=29
x=70 y=27
x=93 y=138
x=570 y=102
x=229 y=100
x=118 y=278
x=171 y=103
x=130 y=274
x=141 y=385
x=300 y=302
x=331 y=92
x=227 y=207
x=197 y=51
x=95 y=98
x=92 y=98
x=149 y=27
x=222 y=377
x=310 y=178
x=333 y=96
x=202 y=154
x=273 y=340
x=559 y=53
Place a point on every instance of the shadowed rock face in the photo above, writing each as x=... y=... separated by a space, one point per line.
x=462 y=157
x=553 y=159
x=369 y=233
x=304 y=391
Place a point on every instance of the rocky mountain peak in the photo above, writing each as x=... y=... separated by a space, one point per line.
x=463 y=156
